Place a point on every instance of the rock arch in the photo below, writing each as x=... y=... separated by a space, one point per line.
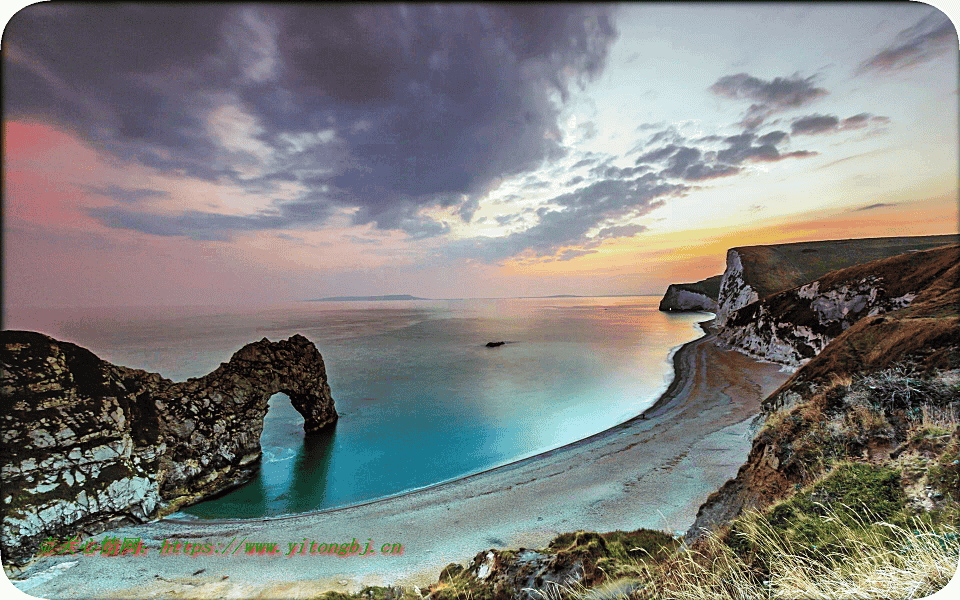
x=88 y=445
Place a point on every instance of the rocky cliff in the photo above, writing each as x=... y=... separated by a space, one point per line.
x=88 y=445
x=701 y=295
x=755 y=272
x=883 y=391
x=793 y=326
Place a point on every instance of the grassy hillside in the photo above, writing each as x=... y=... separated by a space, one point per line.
x=709 y=287
x=774 y=268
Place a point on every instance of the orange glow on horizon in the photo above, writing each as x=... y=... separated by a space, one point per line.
x=655 y=260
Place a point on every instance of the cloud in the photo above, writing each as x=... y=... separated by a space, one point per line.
x=125 y=195
x=657 y=155
x=691 y=163
x=933 y=35
x=814 y=124
x=773 y=138
x=872 y=206
x=567 y=220
x=862 y=120
x=207 y=226
x=703 y=172
x=606 y=171
x=619 y=231
x=769 y=97
x=584 y=162
x=817 y=124
x=389 y=109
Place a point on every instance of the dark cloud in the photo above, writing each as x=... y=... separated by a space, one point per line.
x=575 y=181
x=578 y=213
x=799 y=154
x=773 y=138
x=584 y=162
x=680 y=160
x=933 y=35
x=619 y=231
x=670 y=134
x=782 y=93
x=820 y=124
x=690 y=163
x=862 y=120
x=606 y=171
x=572 y=253
x=703 y=171
x=206 y=226
x=709 y=138
x=125 y=195
x=814 y=124
x=856 y=121
x=649 y=126
x=657 y=155
x=468 y=208
x=872 y=206
x=386 y=108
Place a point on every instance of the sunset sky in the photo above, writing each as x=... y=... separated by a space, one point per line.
x=243 y=153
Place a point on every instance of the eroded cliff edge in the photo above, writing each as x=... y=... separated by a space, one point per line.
x=885 y=368
x=701 y=295
x=755 y=272
x=795 y=325
x=88 y=445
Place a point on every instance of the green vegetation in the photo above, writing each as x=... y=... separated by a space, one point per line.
x=944 y=476
x=709 y=287
x=821 y=518
x=774 y=268
x=614 y=554
x=588 y=557
x=373 y=593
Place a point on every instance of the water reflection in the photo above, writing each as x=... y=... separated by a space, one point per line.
x=311 y=467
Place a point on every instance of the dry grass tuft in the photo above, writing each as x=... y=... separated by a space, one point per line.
x=878 y=561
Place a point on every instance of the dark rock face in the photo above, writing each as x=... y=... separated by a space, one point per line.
x=88 y=445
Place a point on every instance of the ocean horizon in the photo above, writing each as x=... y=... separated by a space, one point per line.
x=422 y=399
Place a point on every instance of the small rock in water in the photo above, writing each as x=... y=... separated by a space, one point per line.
x=494 y=344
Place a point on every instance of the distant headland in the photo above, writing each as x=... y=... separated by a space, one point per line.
x=366 y=298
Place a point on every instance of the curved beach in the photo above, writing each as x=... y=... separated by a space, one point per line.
x=653 y=471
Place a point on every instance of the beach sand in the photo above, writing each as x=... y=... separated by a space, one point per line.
x=653 y=471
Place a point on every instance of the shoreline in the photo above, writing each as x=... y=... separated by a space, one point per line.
x=661 y=402
x=653 y=470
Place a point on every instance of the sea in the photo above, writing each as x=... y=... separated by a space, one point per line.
x=421 y=398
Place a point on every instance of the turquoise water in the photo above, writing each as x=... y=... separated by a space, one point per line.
x=421 y=399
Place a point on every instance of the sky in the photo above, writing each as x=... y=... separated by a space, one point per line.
x=241 y=154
